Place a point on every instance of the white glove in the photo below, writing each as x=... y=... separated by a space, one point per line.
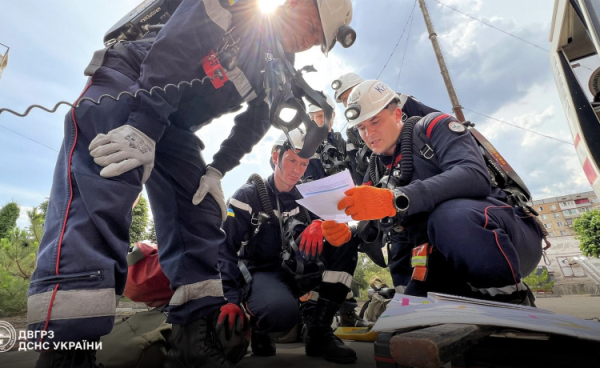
x=210 y=182
x=121 y=150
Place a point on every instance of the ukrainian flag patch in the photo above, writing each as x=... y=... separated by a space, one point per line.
x=230 y=212
x=231 y=2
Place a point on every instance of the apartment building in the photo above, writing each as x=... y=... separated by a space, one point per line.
x=558 y=213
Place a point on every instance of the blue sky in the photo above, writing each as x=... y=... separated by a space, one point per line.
x=494 y=74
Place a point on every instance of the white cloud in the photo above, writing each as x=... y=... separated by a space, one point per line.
x=23 y=220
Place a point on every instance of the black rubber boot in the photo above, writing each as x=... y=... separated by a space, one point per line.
x=194 y=346
x=262 y=344
x=320 y=340
x=68 y=359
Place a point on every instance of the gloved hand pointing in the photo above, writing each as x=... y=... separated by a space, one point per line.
x=210 y=182
x=121 y=150
x=368 y=203
x=311 y=242
x=231 y=319
x=336 y=233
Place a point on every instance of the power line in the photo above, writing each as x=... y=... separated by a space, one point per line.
x=402 y=34
x=520 y=127
x=405 y=49
x=33 y=140
x=489 y=25
x=498 y=29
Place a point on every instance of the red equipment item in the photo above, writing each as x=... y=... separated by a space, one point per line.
x=146 y=281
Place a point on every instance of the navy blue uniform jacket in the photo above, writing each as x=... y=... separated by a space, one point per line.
x=196 y=28
x=262 y=251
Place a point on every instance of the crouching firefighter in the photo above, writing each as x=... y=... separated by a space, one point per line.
x=358 y=151
x=454 y=230
x=281 y=257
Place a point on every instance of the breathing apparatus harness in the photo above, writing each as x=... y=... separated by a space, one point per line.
x=333 y=156
x=501 y=174
x=284 y=86
x=291 y=258
x=393 y=177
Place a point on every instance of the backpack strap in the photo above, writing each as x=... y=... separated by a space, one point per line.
x=421 y=143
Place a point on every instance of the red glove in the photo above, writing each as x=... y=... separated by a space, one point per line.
x=231 y=319
x=336 y=233
x=311 y=242
x=368 y=203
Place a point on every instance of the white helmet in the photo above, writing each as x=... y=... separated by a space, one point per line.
x=315 y=108
x=336 y=16
x=367 y=100
x=296 y=135
x=344 y=83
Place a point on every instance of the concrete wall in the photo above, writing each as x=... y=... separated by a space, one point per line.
x=566 y=270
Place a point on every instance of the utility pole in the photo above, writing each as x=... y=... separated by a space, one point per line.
x=456 y=108
x=3 y=57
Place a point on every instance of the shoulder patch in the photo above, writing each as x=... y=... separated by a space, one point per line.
x=230 y=212
x=456 y=127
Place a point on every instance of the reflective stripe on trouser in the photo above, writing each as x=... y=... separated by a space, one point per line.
x=81 y=262
x=188 y=236
x=272 y=297
x=485 y=243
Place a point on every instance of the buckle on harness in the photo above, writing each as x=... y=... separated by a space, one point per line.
x=419 y=261
x=427 y=152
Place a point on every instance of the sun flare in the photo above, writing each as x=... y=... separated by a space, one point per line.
x=268 y=6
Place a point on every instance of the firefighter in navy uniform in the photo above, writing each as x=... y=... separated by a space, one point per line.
x=330 y=159
x=264 y=224
x=111 y=148
x=452 y=224
x=359 y=152
x=356 y=149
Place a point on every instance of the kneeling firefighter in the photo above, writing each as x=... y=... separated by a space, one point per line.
x=455 y=229
x=281 y=257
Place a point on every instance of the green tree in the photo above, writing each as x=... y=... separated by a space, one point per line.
x=587 y=228
x=139 y=221
x=8 y=218
x=43 y=207
x=18 y=253
x=152 y=233
x=539 y=281
x=366 y=269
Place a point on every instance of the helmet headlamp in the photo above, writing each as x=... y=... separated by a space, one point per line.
x=352 y=112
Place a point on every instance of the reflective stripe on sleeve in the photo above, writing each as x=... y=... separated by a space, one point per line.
x=218 y=14
x=198 y=290
x=72 y=304
x=334 y=277
x=241 y=205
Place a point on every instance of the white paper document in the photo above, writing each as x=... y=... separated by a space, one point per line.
x=321 y=196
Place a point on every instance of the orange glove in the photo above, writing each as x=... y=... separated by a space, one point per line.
x=368 y=203
x=336 y=233
x=311 y=242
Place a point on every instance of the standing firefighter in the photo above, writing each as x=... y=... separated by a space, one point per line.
x=282 y=256
x=112 y=148
x=429 y=188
